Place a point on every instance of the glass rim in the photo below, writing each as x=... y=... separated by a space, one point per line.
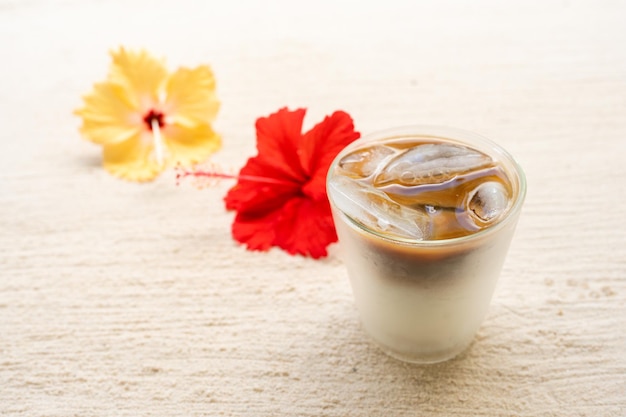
x=453 y=134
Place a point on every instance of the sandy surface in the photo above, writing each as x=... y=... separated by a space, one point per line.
x=120 y=299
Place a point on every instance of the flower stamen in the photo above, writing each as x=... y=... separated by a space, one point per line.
x=214 y=173
x=158 y=141
x=152 y=116
x=155 y=121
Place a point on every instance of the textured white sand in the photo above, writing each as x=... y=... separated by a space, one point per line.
x=120 y=299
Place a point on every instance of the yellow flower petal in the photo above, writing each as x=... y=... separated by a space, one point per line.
x=139 y=96
x=107 y=115
x=191 y=98
x=188 y=146
x=140 y=74
x=132 y=159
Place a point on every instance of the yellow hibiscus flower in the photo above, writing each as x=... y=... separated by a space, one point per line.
x=147 y=119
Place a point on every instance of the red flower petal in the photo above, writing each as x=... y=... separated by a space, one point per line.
x=320 y=145
x=278 y=140
x=306 y=228
x=301 y=226
x=260 y=188
x=280 y=196
x=256 y=232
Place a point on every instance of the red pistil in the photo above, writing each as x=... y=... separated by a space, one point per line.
x=154 y=115
x=216 y=174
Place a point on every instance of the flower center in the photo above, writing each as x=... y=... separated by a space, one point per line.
x=156 y=116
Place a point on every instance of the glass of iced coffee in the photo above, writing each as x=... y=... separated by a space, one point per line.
x=424 y=217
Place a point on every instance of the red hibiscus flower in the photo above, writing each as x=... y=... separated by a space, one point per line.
x=280 y=195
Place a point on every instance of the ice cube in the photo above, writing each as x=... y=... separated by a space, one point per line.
x=364 y=162
x=488 y=201
x=375 y=210
x=431 y=163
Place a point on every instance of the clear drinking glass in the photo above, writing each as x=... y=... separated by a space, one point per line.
x=422 y=301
